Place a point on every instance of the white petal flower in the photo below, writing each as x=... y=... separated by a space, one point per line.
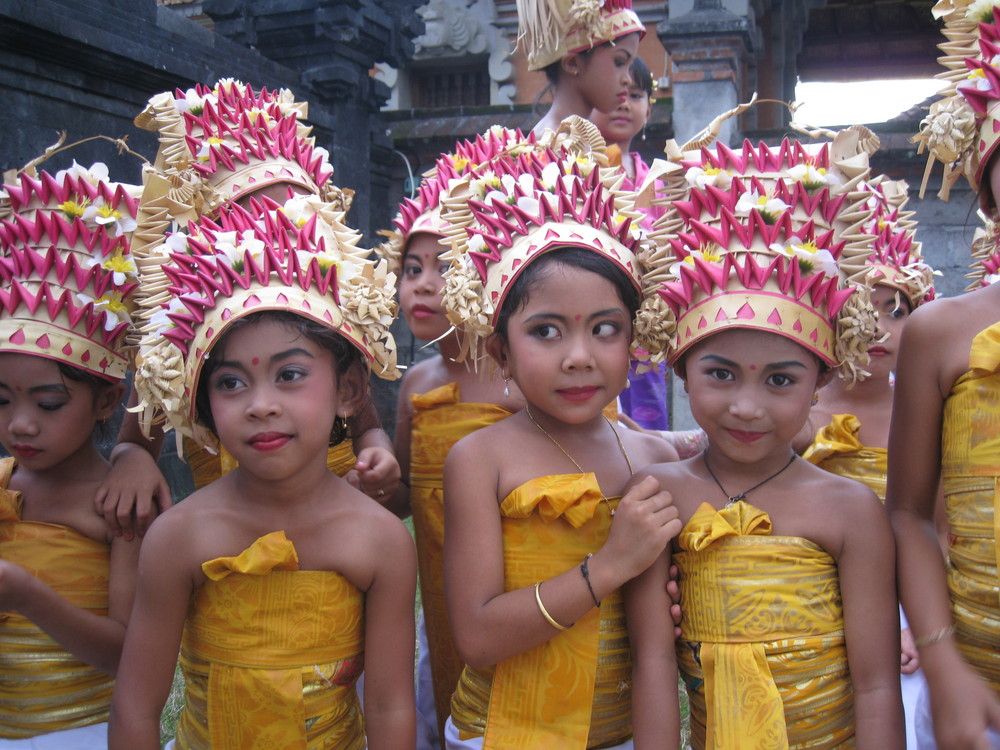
x=530 y=205
x=177 y=242
x=476 y=243
x=702 y=177
x=550 y=176
x=812 y=177
x=811 y=258
x=99 y=214
x=96 y=173
x=193 y=102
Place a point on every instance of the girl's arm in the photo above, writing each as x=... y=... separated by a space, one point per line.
x=490 y=624
x=655 y=708
x=871 y=623
x=91 y=638
x=390 y=713
x=400 y=503
x=376 y=470
x=153 y=640
x=962 y=706
x=135 y=489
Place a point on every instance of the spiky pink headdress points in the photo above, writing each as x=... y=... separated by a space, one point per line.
x=962 y=129
x=66 y=273
x=548 y=30
x=423 y=212
x=524 y=204
x=896 y=260
x=271 y=259
x=772 y=240
x=221 y=143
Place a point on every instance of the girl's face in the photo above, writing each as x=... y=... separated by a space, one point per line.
x=567 y=347
x=603 y=75
x=892 y=310
x=274 y=397
x=46 y=419
x=421 y=285
x=622 y=124
x=750 y=391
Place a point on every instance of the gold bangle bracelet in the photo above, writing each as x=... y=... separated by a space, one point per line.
x=545 y=612
x=936 y=637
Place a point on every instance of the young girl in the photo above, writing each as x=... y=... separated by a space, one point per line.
x=66 y=580
x=279 y=582
x=584 y=51
x=547 y=266
x=790 y=634
x=847 y=432
x=441 y=401
x=220 y=146
x=943 y=431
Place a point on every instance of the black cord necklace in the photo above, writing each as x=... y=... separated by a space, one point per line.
x=743 y=495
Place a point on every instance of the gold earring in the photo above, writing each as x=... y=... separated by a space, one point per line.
x=815 y=398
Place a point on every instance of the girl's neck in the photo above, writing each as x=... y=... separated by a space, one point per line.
x=565 y=103
x=628 y=163
x=287 y=494
x=867 y=391
x=83 y=466
x=736 y=476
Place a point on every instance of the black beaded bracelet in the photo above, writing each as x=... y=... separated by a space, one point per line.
x=586 y=577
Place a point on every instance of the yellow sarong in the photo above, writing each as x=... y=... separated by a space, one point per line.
x=763 y=652
x=440 y=420
x=270 y=655
x=43 y=687
x=970 y=471
x=207 y=467
x=836 y=449
x=573 y=691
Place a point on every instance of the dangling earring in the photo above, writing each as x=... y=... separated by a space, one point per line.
x=628 y=383
x=685 y=385
x=815 y=398
x=506 y=386
x=643 y=132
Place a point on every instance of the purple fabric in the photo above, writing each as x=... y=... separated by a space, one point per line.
x=645 y=400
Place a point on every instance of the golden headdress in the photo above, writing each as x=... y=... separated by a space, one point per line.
x=962 y=129
x=548 y=30
x=555 y=194
x=66 y=271
x=268 y=258
x=772 y=239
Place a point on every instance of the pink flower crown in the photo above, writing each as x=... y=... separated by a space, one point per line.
x=66 y=271
x=220 y=271
x=219 y=144
x=772 y=240
x=423 y=213
x=962 y=129
x=522 y=205
x=548 y=30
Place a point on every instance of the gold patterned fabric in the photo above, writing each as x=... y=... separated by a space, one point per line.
x=763 y=653
x=573 y=691
x=206 y=467
x=836 y=449
x=43 y=687
x=970 y=472
x=270 y=655
x=440 y=420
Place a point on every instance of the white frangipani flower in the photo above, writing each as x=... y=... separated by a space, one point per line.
x=812 y=259
x=99 y=213
x=769 y=208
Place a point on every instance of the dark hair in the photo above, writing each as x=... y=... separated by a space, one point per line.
x=97 y=385
x=642 y=78
x=573 y=257
x=345 y=356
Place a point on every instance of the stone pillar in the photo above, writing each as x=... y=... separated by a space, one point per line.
x=713 y=51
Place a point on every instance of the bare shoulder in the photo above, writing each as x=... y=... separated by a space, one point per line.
x=485 y=442
x=644 y=449
x=671 y=474
x=835 y=512
x=424 y=376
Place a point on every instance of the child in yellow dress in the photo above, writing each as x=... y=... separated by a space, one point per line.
x=218 y=146
x=789 y=626
x=279 y=582
x=547 y=267
x=441 y=400
x=66 y=580
x=944 y=426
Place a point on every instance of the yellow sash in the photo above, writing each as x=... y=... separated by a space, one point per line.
x=439 y=421
x=836 y=449
x=43 y=687
x=270 y=655
x=763 y=651
x=207 y=467
x=573 y=690
x=970 y=470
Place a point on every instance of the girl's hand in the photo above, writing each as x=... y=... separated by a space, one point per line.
x=963 y=707
x=644 y=523
x=376 y=473
x=909 y=658
x=674 y=592
x=133 y=493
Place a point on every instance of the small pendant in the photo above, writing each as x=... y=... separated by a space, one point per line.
x=736 y=498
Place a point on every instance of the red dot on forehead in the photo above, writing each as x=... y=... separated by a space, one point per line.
x=255 y=361
x=576 y=317
x=753 y=367
x=17 y=388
